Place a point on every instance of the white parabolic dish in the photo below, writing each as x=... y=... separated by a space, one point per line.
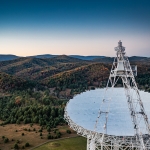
x=83 y=110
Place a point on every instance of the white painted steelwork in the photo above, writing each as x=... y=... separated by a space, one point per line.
x=121 y=69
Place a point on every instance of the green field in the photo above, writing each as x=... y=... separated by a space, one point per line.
x=76 y=143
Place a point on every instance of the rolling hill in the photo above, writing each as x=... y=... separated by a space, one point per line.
x=37 y=68
x=81 y=77
x=11 y=83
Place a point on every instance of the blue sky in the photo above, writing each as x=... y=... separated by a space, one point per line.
x=83 y=27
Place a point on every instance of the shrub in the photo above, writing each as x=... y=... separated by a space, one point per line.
x=22 y=134
x=6 y=140
x=48 y=129
x=58 y=134
x=40 y=130
x=22 y=147
x=55 y=130
x=3 y=137
x=27 y=144
x=18 y=141
x=56 y=137
x=18 y=122
x=68 y=131
x=49 y=136
x=16 y=146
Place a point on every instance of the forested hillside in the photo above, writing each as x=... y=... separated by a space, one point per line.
x=37 y=69
x=10 y=83
x=79 y=79
x=36 y=89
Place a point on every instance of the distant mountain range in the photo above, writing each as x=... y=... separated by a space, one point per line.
x=7 y=57
x=74 y=56
x=90 y=58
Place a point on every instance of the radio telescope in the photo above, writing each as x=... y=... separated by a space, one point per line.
x=100 y=137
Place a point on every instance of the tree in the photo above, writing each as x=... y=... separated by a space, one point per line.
x=27 y=144
x=35 y=119
x=3 y=137
x=18 y=121
x=68 y=131
x=6 y=140
x=49 y=136
x=48 y=129
x=58 y=134
x=53 y=113
x=16 y=146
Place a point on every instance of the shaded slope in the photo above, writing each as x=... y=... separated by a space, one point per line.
x=137 y=58
x=105 y=60
x=86 y=57
x=20 y=64
x=131 y=59
x=10 y=83
x=80 y=77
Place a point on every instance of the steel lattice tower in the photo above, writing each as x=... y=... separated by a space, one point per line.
x=121 y=70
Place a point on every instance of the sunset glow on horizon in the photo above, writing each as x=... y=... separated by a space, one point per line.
x=74 y=27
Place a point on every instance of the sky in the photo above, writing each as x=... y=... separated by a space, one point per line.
x=74 y=27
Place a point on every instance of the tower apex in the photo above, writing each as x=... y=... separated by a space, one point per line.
x=119 y=43
x=120 y=48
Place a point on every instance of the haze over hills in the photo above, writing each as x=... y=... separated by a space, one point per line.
x=11 y=57
x=74 y=56
x=86 y=57
x=4 y=57
x=131 y=59
x=7 y=57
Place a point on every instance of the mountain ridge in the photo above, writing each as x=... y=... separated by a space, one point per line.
x=35 y=68
x=6 y=57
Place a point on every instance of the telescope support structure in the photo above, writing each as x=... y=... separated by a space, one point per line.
x=121 y=69
x=122 y=72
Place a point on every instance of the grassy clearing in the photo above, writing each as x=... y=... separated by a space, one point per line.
x=31 y=135
x=75 y=143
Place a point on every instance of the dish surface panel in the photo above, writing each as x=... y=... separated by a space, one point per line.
x=83 y=110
